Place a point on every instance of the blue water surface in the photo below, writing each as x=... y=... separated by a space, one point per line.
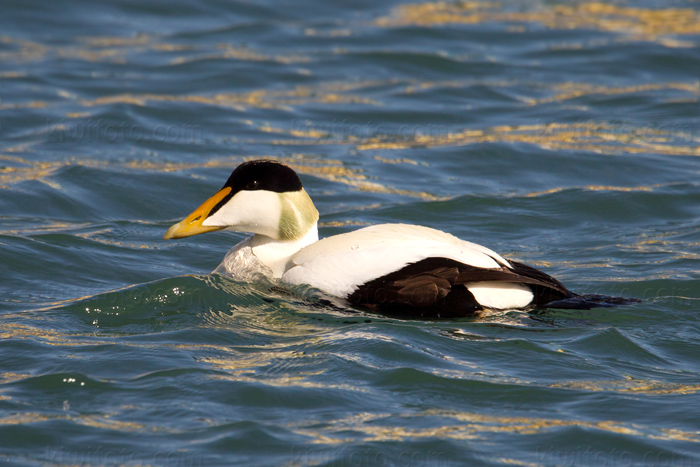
x=561 y=134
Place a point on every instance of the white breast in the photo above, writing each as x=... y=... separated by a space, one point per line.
x=338 y=264
x=241 y=264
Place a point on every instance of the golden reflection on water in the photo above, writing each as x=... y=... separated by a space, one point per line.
x=467 y=426
x=264 y=367
x=602 y=137
x=592 y=136
x=651 y=388
x=103 y=421
x=568 y=91
x=16 y=169
x=597 y=137
x=662 y=25
x=39 y=171
x=659 y=25
x=262 y=98
x=228 y=51
x=629 y=189
x=327 y=169
x=117 y=50
x=10 y=377
x=112 y=49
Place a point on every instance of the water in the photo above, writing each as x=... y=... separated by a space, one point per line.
x=561 y=134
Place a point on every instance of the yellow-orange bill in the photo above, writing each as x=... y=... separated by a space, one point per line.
x=192 y=224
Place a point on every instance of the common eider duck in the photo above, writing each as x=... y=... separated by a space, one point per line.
x=395 y=269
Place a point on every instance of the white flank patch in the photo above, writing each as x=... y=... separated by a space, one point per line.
x=500 y=295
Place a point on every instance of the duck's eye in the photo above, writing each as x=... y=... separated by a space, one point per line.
x=252 y=185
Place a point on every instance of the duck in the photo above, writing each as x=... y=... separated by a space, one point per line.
x=393 y=269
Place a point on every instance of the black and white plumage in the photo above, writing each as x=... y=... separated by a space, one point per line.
x=399 y=269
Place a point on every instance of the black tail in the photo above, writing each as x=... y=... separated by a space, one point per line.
x=550 y=293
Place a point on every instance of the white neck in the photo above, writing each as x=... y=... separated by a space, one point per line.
x=275 y=254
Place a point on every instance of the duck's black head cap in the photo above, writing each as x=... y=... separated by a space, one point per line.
x=260 y=175
x=263 y=175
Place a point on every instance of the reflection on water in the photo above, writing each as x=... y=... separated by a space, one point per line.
x=633 y=24
x=560 y=134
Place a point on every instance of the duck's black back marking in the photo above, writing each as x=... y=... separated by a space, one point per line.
x=434 y=287
x=260 y=175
